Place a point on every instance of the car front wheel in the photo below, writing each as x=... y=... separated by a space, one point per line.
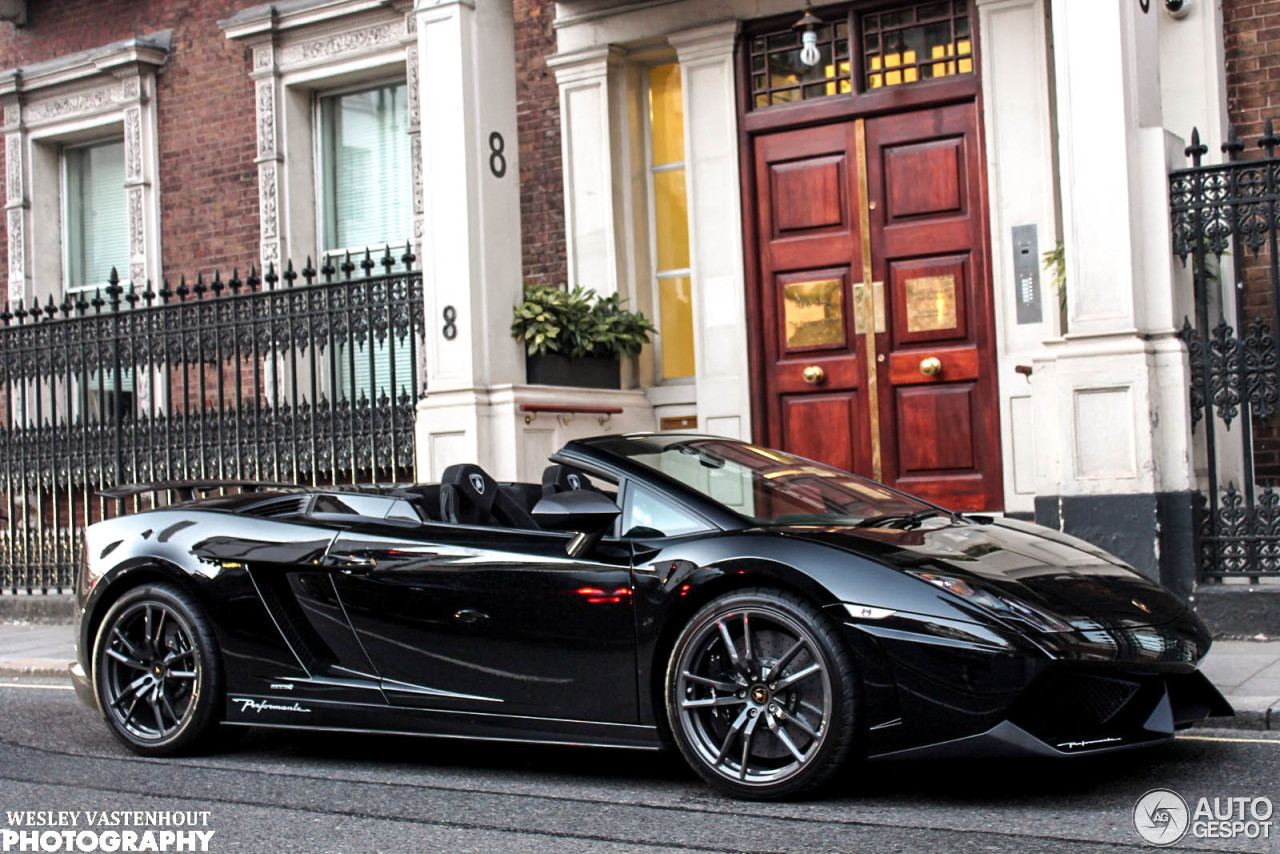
x=762 y=695
x=156 y=670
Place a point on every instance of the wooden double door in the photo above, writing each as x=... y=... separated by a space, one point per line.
x=875 y=321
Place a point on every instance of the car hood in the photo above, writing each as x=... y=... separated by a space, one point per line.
x=1074 y=581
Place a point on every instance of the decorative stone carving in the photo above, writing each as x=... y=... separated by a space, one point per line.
x=137 y=237
x=133 y=144
x=266 y=118
x=138 y=273
x=130 y=88
x=270 y=254
x=268 y=201
x=17 y=259
x=262 y=57
x=415 y=162
x=341 y=43
x=411 y=74
x=13 y=169
x=85 y=102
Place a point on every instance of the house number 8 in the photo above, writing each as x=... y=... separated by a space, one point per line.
x=450 y=330
x=497 y=157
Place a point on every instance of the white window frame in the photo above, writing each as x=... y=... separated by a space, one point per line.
x=64 y=205
x=318 y=159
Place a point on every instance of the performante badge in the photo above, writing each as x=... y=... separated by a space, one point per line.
x=477 y=482
x=1160 y=817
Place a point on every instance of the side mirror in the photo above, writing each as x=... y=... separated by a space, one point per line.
x=587 y=513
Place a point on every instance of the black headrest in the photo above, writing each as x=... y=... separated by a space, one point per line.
x=559 y=478
x=467 y=493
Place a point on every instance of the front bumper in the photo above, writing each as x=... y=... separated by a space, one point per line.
x=932 y=689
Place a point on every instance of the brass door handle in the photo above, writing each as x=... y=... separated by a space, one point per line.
x=814 y=375
x=931 y=366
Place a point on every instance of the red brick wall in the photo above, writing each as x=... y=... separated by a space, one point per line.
x=538 y=120
x=1252 y=41
x=205 y=108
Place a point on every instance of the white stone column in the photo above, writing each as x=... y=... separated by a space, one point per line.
x=706 y=56
x=1111 y=395
x=592 y=130
x=470 y=250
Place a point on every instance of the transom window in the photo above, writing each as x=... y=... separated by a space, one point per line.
x=918 y=43
x=95 y=214
x=899 y=46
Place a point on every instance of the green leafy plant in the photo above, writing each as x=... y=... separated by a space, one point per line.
x=578 y=323
x=1055 y=263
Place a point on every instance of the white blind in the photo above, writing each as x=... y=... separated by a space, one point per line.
x=368 y=186
x=368 y=202
x=96 y=215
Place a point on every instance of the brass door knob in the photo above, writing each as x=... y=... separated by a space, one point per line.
x=814 y=375
x=931 y=366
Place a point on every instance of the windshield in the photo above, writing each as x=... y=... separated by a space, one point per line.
x=768 y=487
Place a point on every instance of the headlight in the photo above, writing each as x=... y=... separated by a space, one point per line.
x=998 y=604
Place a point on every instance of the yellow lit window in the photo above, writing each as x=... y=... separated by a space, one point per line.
x=921 y=42
x=670 y=222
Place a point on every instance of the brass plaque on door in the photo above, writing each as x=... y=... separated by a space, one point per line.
x=814 y=313
x=930 y=303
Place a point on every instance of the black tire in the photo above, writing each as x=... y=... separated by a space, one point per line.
x=762 y=695
x=157 y=671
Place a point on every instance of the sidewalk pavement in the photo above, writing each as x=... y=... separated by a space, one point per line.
x=1247 y=672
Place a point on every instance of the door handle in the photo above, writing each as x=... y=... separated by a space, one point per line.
x=814 y=375
x=353 y=564
x=931 y=366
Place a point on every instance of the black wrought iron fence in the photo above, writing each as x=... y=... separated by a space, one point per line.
x=1232 y=209
x=306 y=376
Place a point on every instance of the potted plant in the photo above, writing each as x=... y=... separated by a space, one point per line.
x=576 y=337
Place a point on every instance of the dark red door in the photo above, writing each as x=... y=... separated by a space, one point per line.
x=880 y=222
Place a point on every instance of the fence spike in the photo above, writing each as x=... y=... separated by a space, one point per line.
x=165 y=291
x=1196 y=150
x=387 y=260
x=271 y=278
x=367 y=264
x=183 y=290
x=252 y=281
x=50 y=309
x=309 y=272
x=1233 y=146
x=6 y=315
x=347 y=267
x=113 y=289
x=1269 y=140
x=216 y=286
x=82 y=303
x=234 y=282
x=68 y=305
x=408 y=257
x=131 y=296
x=289 y=274
x=97 y=302
x=326 y=269
x=148 y=295
x=199 y=289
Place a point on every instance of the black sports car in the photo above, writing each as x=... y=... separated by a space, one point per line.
x=770 y=616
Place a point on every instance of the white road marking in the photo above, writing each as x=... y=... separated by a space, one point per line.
x=1272 y=741
x=34 y=685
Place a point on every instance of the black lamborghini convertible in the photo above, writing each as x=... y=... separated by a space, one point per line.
x=770 y=616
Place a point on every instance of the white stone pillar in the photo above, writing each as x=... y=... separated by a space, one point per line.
x=592 y=130
x=706 y=57
x=1111 y=395
x=470 y=249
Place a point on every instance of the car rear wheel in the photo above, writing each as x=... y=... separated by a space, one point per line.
x=762 y=695
x=157 y=671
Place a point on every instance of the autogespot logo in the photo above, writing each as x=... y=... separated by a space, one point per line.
x=1160 y=817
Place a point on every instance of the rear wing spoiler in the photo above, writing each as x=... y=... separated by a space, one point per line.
x=186 y=489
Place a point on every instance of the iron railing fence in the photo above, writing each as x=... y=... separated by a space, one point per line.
x=306 y=376
x=1232 y=208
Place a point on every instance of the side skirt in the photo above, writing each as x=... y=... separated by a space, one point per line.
x=307 y=713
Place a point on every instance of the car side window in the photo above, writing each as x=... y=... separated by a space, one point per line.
x=646 y=514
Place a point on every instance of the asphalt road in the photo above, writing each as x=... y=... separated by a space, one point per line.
x=301 y=793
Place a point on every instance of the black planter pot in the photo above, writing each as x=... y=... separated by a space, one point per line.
x=588 y=372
